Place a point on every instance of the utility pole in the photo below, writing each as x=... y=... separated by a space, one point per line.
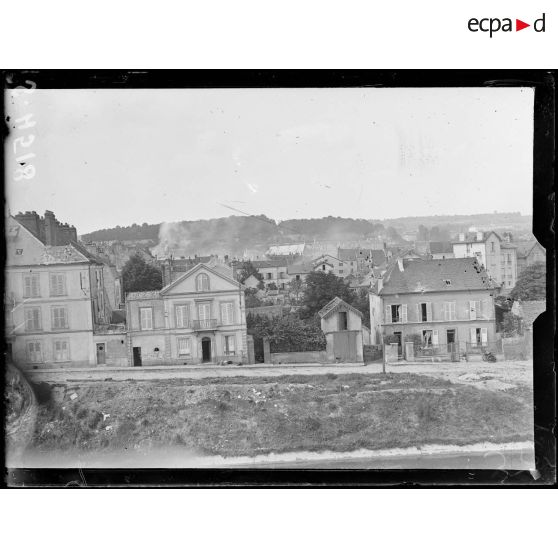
x=383 y=358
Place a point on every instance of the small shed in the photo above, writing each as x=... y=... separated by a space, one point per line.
x=342 y=327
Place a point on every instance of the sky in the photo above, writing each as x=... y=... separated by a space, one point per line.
x=115 y=157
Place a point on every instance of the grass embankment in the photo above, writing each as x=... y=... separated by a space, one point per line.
x=250 y=416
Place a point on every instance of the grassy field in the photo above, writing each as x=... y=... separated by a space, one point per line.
x=250 y=416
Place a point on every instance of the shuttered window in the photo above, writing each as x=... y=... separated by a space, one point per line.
x=184 y=346
x=404 y=313
x=34 y=352
x=33 y=319
x=227 y=313
x=146 y=318
x=182 y=318
x=229 y=345
x=388 y=314
x=57 y=284
x=202 y=282
x=31 y=285
x=59 y=317
x=449 y=311
x=61 y=350
x=474 y=310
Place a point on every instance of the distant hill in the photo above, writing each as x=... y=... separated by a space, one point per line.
x=236 y=233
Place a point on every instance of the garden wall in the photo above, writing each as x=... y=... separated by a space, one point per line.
x=299 y=357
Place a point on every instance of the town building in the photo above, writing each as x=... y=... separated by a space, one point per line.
x=198 y=318
x=47 y=229
x=441 y=303
x=273 y=272
x=343 y=330
x=529 y=253
x=495 y=253
x=56 y=301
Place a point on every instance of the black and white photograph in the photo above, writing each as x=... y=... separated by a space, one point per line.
x=270 y=278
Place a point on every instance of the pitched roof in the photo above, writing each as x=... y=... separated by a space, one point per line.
x=197 y=268
x=53 y=255
x=525 y=248
x=335 y=304
x=300 y=267
x=456 y=274
x=261 y=264
x=472 y=237
x=437 y=247
x=378 y=257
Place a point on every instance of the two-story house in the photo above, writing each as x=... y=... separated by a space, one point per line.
x=54 y=301
x=273 y=272
x=528 y=254
x=447 y=303
x=496 y=254
x=198 y=318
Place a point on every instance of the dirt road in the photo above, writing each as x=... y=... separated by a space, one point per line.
x=484 y=375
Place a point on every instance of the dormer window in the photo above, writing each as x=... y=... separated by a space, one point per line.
x=202 y=282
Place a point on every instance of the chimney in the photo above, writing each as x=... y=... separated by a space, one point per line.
x=461 y=237
x=380 y=284
x=479 y=236
x=50 y=228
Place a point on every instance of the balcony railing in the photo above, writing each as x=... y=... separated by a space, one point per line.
x=204 y=324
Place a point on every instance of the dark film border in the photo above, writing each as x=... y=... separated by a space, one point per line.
x=544 y=384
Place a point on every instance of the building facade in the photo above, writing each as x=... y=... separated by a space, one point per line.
x=198 y=318
x=55 y=300
x=436 y=303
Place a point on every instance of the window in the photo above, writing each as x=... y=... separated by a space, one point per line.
x=227 y=313
x=204 y=311
x=229 y=345
x=323 y=267
x=426 y=337
x=425 y=312
x=146 y=318
x=343 y=321
x=184 y=346
x=31 y=285
x=268 y=276
x=340 y=272
x=33 y=319
x=34 y=352
x=449 y=311
x=202 y=282
x=448 y=282
x=492 y=246
x=396 y=313
x=182 y=316
x=59 y=317
x=479 y=336
x=61 y=350
x=474 y=310
x=57 y=284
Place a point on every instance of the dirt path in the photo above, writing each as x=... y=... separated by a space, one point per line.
x=496 y=376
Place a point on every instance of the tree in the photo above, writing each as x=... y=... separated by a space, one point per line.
x=531 y=283
x=296 y=287
x=251 y=300
x=320 y=289
x=138 y=275
x=362 y=303
x=248 y=269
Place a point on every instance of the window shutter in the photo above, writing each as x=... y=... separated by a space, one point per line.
x=472 y=312
x=478 y=309
x=484 y=335
x=388 y=314
x=418 y=315
x=428 y=311
x=404 y=313
x=434 y=337
x=473 y=335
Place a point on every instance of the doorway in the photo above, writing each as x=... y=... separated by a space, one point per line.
x=206 y=349
x=101 y=353
x=399 y=336
x=450 y=340
x=137 y=356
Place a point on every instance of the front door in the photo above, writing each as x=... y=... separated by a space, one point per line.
x=101 y=353
x=450 y=340
x=206 y=349
x=137 y=356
